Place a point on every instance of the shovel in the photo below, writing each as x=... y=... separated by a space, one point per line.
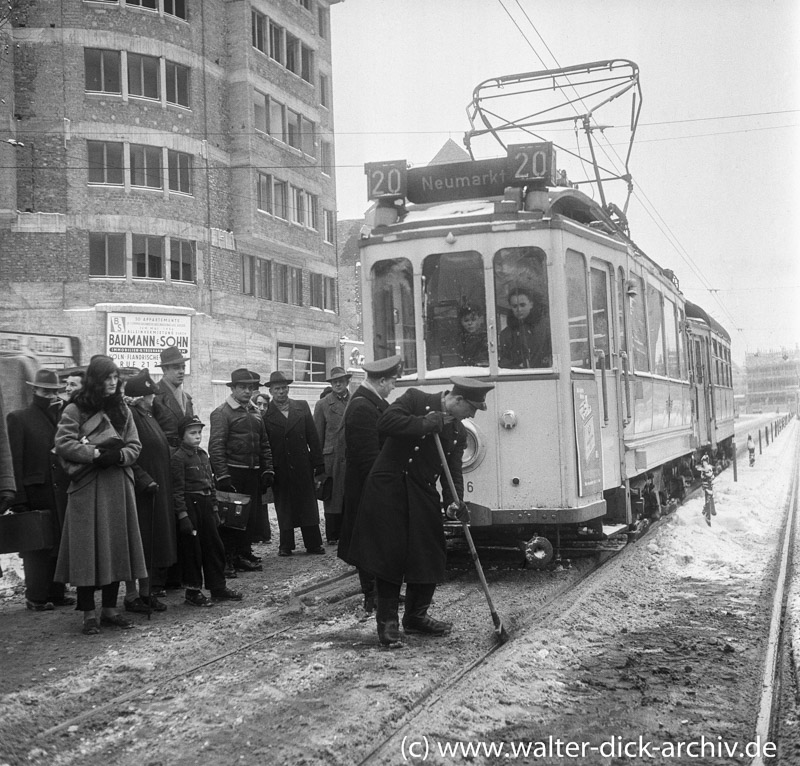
x=502 y=633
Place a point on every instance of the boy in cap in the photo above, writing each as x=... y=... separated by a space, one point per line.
x=399 y=534
x=202 y=554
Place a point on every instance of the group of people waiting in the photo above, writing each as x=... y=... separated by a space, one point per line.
x=135 y=499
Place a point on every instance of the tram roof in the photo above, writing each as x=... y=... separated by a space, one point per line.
x=696 y=312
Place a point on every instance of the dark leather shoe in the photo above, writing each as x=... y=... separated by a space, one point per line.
x=389 y=633
x=315 y=550
x=117 y=620
x=252 y=558
x=196 y=598
x=427 y=625
x=284 y=552
x=137 y=605
x=226 y=594
x=241 y=564
x=154 y=604
x=64 y=601
x=38 y=606
x=90 y=627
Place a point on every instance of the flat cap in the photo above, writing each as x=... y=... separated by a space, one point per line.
x=384 y=368
x=474 y=391
x=189 y=422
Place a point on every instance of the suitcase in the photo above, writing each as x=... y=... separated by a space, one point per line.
x=28 y=531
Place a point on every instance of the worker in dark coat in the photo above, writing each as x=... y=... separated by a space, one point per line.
x=172 y=404
x=399 y=534
x=298 y=462
x=152 y=483
x=362 y=446
x=31 y=435
x=328 y=416
x=525 y=341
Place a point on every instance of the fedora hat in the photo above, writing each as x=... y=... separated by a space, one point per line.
x=172 y=355
x=46 y=379
x=338 y=372
x=243 y=377
x=278 y=378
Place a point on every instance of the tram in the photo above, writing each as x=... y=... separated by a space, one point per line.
x=503 y=269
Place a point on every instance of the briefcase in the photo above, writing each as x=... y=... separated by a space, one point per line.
x=27 y=531
x=234 y=509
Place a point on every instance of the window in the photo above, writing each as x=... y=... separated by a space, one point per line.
x=265 y=192
x=276 y=42
x=638 y=327
x=655 y=328
x=307 y=4
x=307 y=137
x=329 y=219
x=671 y=336
x=601 y=324
x=323 y=292
x=181 y=260
x=180 y=172
x=149 y=4
x=621 y=313
x=277 y=121
x=304 y=208
x=324 y=90
x=143 y=76
x=306 y=64
x=280 y=199
x=264 y=279
x=303 y=364
x=329 y=287
x=261 y=112
x=323 y=22
x=105 y=162
x=295 y=292
x=455 y=313
x=106 y=255
x=146 y=166
x=317 y=299
x=248 y=274
x=175 y=8
x=148 y=257
x=326 y=151
x=393 y=311
x=259 y=30
x=280 y=283
x=102 y=71
x=292 y=53
x=177 y=84
x=293 y=128
x=523 y=313
x=578 y=312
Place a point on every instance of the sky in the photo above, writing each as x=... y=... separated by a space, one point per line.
x=716 y=159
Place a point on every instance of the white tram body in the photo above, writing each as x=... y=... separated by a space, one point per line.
x=572 y=439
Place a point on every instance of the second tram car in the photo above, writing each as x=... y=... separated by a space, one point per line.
x=607 y=381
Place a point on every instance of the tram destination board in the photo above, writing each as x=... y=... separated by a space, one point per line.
x=524 y=164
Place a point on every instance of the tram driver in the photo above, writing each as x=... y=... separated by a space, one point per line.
x=525 y=341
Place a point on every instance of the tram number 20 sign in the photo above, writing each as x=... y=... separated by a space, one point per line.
x=386 y=179
x=532 y=162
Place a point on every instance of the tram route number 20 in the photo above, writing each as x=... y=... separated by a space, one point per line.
x=532 y=162
x=386 y=179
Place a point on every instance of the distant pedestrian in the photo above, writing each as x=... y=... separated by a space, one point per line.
x=298 y=461
x=202 y=550
x=707 y=481
x=751 y=450
x=328 y=417
x=362 y=446
x=172 y=404
x=242 y=462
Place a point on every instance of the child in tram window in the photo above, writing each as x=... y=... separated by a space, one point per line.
x=474 y=343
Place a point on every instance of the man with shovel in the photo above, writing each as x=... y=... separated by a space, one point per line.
x=399 y=534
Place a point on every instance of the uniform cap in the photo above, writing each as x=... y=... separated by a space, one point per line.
x=384 y=368
x=474 y=391
x=46 y=379
x=338 y=372
x=188 y=422
x=140 y=384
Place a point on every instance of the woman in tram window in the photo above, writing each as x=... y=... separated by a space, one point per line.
x=525 y=342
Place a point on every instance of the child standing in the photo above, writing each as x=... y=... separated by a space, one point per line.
x=201 y=552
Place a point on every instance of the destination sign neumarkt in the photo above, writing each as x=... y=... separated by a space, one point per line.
x=458 y=180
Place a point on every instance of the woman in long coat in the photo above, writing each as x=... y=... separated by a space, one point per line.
x=100 y=544
x=153 y=487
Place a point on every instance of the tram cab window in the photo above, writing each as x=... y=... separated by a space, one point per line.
x=671 y=333
x=523 y=312
x=600 y=314
x=454 y=311
x=621 y=312
x=580 y=350
x=638 y=324
x=655 y=327
x=393 y=311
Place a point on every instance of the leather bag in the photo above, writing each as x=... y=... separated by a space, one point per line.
x=98 y=432
x=234 y=509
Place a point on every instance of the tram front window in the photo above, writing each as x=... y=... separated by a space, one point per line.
x=393 y=311
x=523 y=314
x=455 y=316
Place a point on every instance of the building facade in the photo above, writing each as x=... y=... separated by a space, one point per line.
x=773 y=381
x=167 y=178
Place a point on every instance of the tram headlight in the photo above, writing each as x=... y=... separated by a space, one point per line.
x=476 y=447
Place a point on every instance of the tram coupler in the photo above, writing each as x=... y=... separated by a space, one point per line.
x=538 y=552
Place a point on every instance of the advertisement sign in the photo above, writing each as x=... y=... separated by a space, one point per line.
x=36 y=344
x=587 y=437
x=137 y=340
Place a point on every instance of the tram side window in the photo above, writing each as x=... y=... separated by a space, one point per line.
x=393 y=311
x=683 y=352
x=621 y=313
x=523 y=313
x=454 y=311
x=578 y=312
x=655 y=326
x=638 y=325
x=671 y=333
x=600 y=315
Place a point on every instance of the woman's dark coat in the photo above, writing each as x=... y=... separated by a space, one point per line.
x=155 y=512
x=296 y=454
x=398 y=533
x=362 y=445
x=526 y=344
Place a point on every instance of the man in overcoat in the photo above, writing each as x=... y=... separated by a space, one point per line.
x=399 y=533
x=362 y=446
x=31 y=434
x=172 y=404
x=328 y=417
x=298 y=461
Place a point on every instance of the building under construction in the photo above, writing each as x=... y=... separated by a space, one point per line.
x=773 y=381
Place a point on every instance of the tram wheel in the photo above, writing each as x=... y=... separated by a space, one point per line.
x=538 y=552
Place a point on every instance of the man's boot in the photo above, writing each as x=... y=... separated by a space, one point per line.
x=388 y=623
x=416 y=618
x=368 y=589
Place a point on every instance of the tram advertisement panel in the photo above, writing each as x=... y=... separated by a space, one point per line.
x=587 y=437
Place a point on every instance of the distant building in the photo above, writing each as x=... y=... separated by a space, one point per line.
x=773 y=380
x=167 y=177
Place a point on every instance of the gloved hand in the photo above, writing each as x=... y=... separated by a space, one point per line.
x=6 y=499
x=151 y=488
x=108 y=457
x=266 y=480
x=185 y=526
x=458 y=511
x=226 y=485
x=434 y=422
x=217 y=518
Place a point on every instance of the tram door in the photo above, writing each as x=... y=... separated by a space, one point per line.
x=701 y=383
